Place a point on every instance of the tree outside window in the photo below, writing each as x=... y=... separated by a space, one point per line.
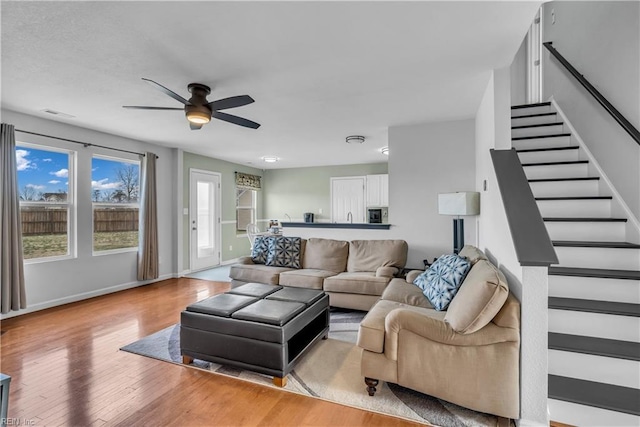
x=115 y=188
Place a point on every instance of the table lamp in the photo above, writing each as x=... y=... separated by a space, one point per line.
x=459 y=204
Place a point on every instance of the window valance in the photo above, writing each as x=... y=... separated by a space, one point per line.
x=248 y=181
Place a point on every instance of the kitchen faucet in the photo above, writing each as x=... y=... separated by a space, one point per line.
x=350 y=217
x=287 y=215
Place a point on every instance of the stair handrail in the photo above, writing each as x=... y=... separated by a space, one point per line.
x=617 y=115
x=528 y=232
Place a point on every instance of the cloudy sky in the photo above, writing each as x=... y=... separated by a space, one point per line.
x=48 y=171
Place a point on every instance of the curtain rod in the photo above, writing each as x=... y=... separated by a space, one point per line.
x=86 y=144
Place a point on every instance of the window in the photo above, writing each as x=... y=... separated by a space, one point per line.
x=115 y=195
x=45 y=183
x=245 y=208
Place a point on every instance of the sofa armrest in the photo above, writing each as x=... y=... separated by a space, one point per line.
x=386 y=271
x=412 y=320
x=411 y=276
x=246 y=260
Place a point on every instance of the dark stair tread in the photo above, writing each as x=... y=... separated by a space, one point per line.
x=532 y=150
x=538 y=125
x=563 y=219
x=576 y=198
x=586 y=178
x=527 y=116
x=594 y=306
x=539 y=104
x=555 y=135
x=596 y=346
x=599 y=395
x=600 y=273
x=568 y=162
x=586 y=244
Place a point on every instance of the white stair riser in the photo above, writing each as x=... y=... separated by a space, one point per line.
x=565 y=188
x=595 y=288
x=587 y=416
x=611 y=258
x=586 y=231
x=538 y=130
x=549 y=156
x=530 y=110
x=558 y=141
x=622 y=372
x=534 y=120
x=624 y=328
x=579 y=170
x=598 y=208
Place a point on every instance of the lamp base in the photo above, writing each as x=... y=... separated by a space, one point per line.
x=458 y=235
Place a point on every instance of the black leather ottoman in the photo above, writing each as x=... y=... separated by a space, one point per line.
x=264 y=328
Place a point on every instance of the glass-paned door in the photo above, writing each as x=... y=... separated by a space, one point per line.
x=204 y=219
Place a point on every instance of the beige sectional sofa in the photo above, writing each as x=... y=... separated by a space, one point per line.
x=354 y=274
x=468 y=354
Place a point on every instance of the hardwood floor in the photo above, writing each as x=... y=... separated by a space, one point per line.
x=67 y=370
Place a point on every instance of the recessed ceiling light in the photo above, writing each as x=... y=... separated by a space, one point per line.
x=385 y=151
x=270 y=159
x=355 y=139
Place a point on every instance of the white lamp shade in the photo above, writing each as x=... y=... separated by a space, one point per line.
x=460 y=203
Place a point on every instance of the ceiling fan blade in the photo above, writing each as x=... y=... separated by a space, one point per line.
x=167 y=91
x=235 y=120
x=232 y=102
x=195 y=126
x=152 y=108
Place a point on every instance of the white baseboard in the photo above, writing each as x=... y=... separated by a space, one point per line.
x=84 y=296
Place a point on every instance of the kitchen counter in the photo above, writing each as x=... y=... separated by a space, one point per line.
x=359 y=226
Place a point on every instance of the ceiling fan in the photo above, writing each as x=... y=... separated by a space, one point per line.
x=198 y=110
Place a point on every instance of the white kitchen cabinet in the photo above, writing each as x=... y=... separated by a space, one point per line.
x=378 y=190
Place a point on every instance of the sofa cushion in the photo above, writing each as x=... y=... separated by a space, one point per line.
x=356 y=283
x=305 y=278
x=368 y=255
x=472 y=253
x=326 y=254
x=441 y=281
x=260 y=249
x=284 y=252
x=371 y=330
x=399 y=290
x=479 y=299
x=256 y=273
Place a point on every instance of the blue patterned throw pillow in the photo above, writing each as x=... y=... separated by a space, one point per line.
x=441 y=281
x=284 y=252
x=260 y=249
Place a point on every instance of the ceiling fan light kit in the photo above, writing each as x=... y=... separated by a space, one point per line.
x=355 y=139
x=198 y=110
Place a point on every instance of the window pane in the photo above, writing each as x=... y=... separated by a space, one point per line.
x=43 y=175
x=44 y=231
x=43 y=178
x=115 y=192
x=245 y=198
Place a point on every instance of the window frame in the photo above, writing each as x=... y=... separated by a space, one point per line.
x=95 y=252
x=253 y=208
x=71 y=203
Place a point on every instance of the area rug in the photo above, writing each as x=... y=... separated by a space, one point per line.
x=217 y=274
x=331 y=371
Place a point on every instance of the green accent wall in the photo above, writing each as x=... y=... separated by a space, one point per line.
x=230 y=236
x=295 y=191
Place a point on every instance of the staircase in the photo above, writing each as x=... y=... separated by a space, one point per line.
x=594 y=293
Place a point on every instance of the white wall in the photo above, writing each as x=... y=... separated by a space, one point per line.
x=57 y=282
x=519 y=75
x=425 y=160
x=528 y=285
x=600 y=39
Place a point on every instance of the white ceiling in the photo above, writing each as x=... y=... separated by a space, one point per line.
x=319 y=71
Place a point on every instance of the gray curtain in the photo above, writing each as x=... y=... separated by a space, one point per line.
x=12 y=290
x=148 y=244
